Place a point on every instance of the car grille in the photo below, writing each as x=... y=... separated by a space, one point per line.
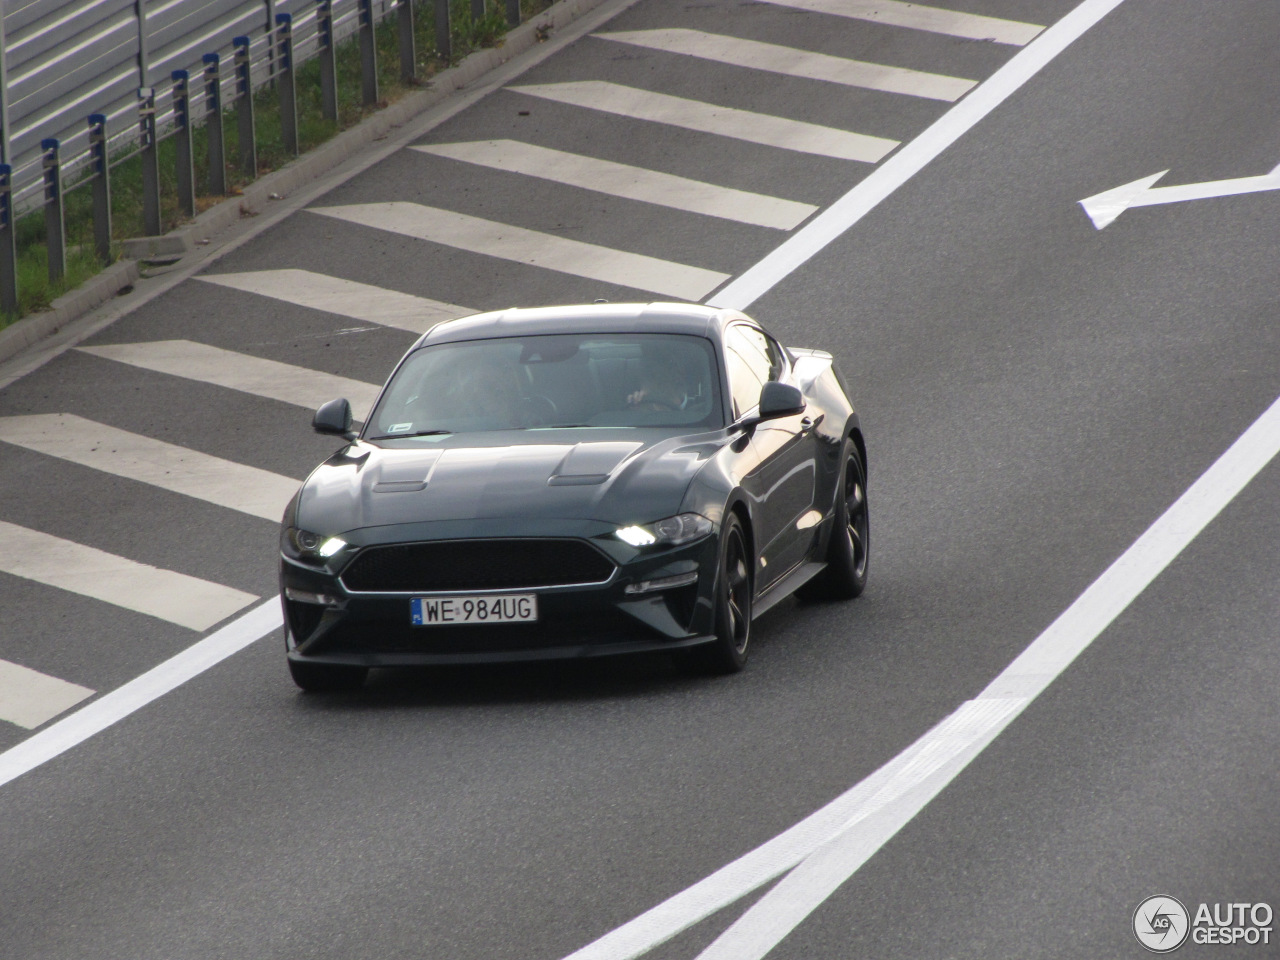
x=476 y=565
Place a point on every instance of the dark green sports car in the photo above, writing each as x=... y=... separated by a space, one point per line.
x=570 y=482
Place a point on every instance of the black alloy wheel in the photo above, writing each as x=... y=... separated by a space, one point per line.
x=327 y=677
x=849 y=550
x=727 y=653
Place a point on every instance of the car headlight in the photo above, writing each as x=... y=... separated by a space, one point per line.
x=669 y=532
x=305 y=545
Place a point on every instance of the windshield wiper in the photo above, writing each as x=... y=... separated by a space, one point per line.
x=416 y=433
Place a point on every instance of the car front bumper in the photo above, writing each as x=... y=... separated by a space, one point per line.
x=325 y=622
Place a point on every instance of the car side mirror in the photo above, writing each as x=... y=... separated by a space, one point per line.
x=780 y=400
x=334 y=418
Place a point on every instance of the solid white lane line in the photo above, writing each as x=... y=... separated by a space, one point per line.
x=360 y=301
x=708 y=118
x=885 y=179
x=135 y=694
x=531 y=247
x=622 y=180
x=29 y=698
x=843 y=835
x=762 y=927
x=913 y=779
x=240 y=371
x=796 y=63
x=135 y=457
x=916 y=16
x=176 y=597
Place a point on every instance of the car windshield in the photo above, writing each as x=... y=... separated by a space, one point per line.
x=559 y=380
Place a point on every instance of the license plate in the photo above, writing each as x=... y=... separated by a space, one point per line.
x=451 y=611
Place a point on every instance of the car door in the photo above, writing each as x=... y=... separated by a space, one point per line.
x=781 y=483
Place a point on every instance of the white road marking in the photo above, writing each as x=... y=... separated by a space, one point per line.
x=796 y=63
x=531 y=247
x=916 y=16
x=708 y=118
x=67 y=565
x=360 y=301
x=240 y=371
x=829 y=846
x=622 y=180
x=137 y=693
x=250 y=490
x=1103 y=208
x=29 y=698
x=911 y=159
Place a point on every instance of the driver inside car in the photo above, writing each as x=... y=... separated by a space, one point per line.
x=663 y=387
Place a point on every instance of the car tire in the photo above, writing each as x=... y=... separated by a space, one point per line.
x=327 y=677
x=728 y=652
x=848 y=551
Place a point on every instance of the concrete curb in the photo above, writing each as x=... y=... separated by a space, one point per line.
x=280 y=183
x=96 y=290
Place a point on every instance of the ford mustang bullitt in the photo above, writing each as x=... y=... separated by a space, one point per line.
x=572 y=482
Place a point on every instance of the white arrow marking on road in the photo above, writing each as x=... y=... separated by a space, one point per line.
x=1103 y=208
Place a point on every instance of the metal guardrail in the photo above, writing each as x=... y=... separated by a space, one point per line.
x=88 y=84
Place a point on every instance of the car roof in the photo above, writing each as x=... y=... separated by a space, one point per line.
x=687 y=318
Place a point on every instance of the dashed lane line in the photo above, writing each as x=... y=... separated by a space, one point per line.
x=66 y=436
x=702 y=117
x=347 y=298
x=915 y=16
x=29 y=698
x=791 y=62
x=531 y=247
x=623 y=180
x=241 y=371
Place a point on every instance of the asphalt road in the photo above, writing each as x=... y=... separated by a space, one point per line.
x=1035 y=394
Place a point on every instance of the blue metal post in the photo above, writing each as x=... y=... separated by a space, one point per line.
x=328 y=60
x=150 y=161
x=213 y=124
x=54 y=235
x=8 y=245
x=284 y=82
x=404 y=26
x=444 y=42
x=184 y=161
x=244 y=110
x=368 y=55
x=100 y=171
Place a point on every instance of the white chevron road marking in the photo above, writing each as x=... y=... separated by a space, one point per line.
x=176 y=597
x=916 y=16
x=29 y=698
x=703 y=117
x=531 y=247
x=237 y=486
x=240 y=371
x=797 y=63
x=623 y=180
x=347 y=298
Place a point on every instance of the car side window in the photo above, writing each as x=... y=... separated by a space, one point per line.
x=749 y=367
x=777 y=358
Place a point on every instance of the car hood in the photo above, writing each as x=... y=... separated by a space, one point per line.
x=622 y=477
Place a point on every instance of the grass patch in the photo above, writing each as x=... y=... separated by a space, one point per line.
x=35 y=292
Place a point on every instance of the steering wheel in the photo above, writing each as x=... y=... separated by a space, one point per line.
x=539 y=409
